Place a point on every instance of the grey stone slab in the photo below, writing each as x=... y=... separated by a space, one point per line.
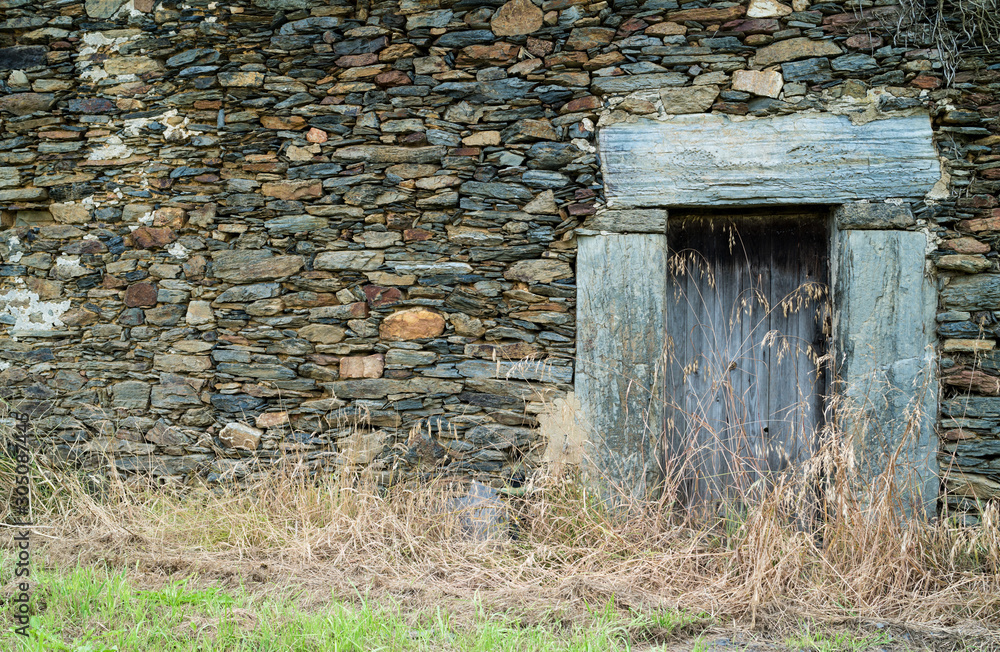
x=977 y=292
x=652 y=220
x=804 y=158
x=621 y=335
x=863 y=215
x=885 y=306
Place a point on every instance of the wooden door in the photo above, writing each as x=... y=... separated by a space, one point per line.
x=747 y=325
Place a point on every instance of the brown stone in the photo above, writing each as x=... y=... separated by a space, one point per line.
x=322 y=333
x=170 y=216
x=926 y=81
x=148 y=237
x=392 y=78
x=140 y=295
x=362 y=366
x=289 y=123
x=584 y=38
x=981 y=224
x=293 y=190
x=412 y=324
x=706 y=15
x=966 y=246
x=515 y=18
x=666 y=29
x=271 y=419
x=315 y=135
x=378 y=296
x=538 y=47
x=241 y=436
x=795 y=48
x=544 y=270
x=357 y=60
x=864 y=42
x=767 y=83
x=975 y=381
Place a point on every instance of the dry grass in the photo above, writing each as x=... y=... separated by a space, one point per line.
x=753 y=565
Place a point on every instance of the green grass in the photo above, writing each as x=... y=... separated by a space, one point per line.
x=97 y=609
x=810 y=641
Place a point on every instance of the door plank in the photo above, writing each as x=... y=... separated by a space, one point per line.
x=743 y=395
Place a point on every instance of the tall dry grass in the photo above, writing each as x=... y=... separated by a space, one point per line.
x=561 y=550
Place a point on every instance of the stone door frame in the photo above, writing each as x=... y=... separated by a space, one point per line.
x=884 y=297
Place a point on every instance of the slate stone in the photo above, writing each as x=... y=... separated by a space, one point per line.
x=103 y=8
x=239 y=404
x=465 y=39
x=631 y=83
x=22 y=57
x=979 y=292
x=811 y=71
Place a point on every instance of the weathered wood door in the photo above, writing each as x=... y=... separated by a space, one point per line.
x=747 y=323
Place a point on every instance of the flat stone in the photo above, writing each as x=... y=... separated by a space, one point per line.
x=149 y=237
x=322 y=333
x=388 y=154
x=253 y=370
x=969 y=264
x=707 y=15
x=247 y=293
x=543 y=270
x=766 y=83
x=181 y=363
x=795 y=48
x=631 y=83
x=515 y=18
x=979 y=292
x=293 y=190
x=863 y=215
x=767 y=9
x=666 y=29
x=22 y=57
x=25 y=103
x=585 y=38
x=362 y=366
x=356 y=259
x=284 y=123
x=130 y=395
x=198 y=313
x=249 y=266
x=131 y=65
x=163 y=434
x=292 y=224
x=382 y=387
x=103 y=8
x=412 y=324
x=240 y=436
x=241 y=79
x=688 y=99
x=140 y=295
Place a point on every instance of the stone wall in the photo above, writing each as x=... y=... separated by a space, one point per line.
x=350 y=226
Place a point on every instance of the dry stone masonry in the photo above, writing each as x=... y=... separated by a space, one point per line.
x=343 y=232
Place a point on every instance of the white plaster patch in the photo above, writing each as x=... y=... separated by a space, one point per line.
x=13 y=244
x=177 y=250
x=941 y=189
x=28 y=312
x=71 y=264
x=4 y=365
x=93 y=74
x=112 y=148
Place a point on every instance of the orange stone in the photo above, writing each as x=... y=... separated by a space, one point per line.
x=966 y=246
x=412 y=324
x=290 y=123
x=315 y=135
x=362 y=366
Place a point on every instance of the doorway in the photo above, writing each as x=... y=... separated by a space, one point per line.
x=748 y=323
